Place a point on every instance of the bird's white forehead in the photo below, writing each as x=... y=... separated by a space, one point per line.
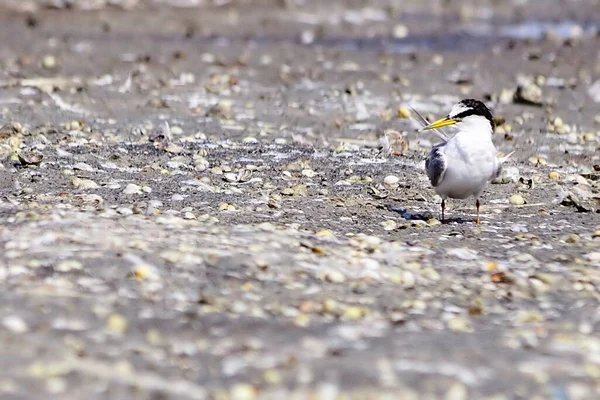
x=457 y=109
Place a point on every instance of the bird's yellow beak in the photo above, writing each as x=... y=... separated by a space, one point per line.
x=440 y=123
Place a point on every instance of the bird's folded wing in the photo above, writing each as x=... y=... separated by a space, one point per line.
x=435 y=165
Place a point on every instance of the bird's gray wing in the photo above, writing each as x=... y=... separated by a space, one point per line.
x=436 y=164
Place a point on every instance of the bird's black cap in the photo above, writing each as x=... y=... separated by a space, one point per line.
x=475 y=107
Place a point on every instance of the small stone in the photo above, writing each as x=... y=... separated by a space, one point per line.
x=309 y=173
x=572 y=238
x=132 y=188
x=354 y=313
x=249 y=140
x=324 y=233
x=125 y=211
x=272 y=377
x=404 y=113
x=117 y=323
x=189 y=215
x=589 y=136
x=389 y=225
x=49 y=62
x=172 y=256
x=222 y=109
x=56 y=385
x=83 y=183
x=89 y=200
x=558 y=123
x=593 y=257
x=535 y=160
x=463 y=253
x=460 y=324
x=393 y=143
x=334 y=276
x=146 y=272
x=457 y=391
x=516 y=199
x=230 y=177
x=594 y=92
x=226 y=207
x=68 y=266
x=553 y=175
x=407 y=279
x=15 y=324
x=400 y=31
x=307 y=37
x=176 y=130
x=391 y=180
x=83 y=167
x=529 y=94
x=431 y=274
x=243 y=391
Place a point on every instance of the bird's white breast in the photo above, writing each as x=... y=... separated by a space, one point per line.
x=470 y=160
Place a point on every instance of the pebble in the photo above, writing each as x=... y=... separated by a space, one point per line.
x=15 y=324
x=249 y=140
x=389 y=225
x=68 y=266
x=404 y=113
x=125 y=211
x=463 y=253
x=309 y=173
x=536 y=160
x=553 y=175
x=117 y=323
x=243 y=391
x=391 y=180
x=516 y=199
x=594 y=92
x=593 y=257
x=83 y=183
x=230 y=177
x=354 y=313
x=83 y=167
x=529 y=94
x=459 y=324
x=189 y=215
x=400 y=31
x=132 y=188
x=334 y=276
x=49 y=62
x=146 y=272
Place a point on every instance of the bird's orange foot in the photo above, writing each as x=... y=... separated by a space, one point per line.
x=477 y=220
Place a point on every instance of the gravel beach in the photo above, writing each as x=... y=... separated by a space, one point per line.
x=194 y=203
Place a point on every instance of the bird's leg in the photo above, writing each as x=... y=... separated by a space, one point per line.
x=477 y=205
x=443 y=208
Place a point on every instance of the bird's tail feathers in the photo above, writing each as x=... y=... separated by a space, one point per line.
x=506 y=157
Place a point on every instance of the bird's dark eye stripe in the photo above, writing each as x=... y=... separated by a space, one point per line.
x=477 y=109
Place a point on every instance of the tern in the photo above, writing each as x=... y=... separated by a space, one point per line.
x=461 y=166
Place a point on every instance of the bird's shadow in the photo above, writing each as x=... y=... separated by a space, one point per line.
x=425 y=216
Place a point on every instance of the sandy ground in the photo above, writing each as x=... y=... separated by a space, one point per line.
x=261 y=246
